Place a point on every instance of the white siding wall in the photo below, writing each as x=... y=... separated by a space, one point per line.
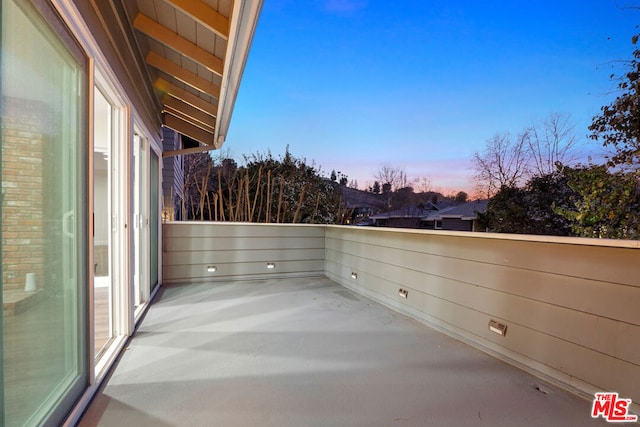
x=572 y=306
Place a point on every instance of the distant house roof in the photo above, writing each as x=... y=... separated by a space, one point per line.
x=416 y=211
x=353 y=198
x=467 y=211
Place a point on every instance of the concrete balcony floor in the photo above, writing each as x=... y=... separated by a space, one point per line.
x=308 y=352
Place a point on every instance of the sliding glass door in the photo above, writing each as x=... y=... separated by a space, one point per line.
x=44 y=218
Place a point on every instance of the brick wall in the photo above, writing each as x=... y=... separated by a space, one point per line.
x=24 y=136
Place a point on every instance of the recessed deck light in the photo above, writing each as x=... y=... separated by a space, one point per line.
x=497 y=327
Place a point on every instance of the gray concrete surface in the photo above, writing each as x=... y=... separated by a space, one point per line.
x=308 y=352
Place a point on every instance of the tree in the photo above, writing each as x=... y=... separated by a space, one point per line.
x=618 y=125
x=605 y=204
x=265 y=190
x=550 y=142
x=402 y=198
x=461 y=197
x=393 y=176
x=531 y=209
x=506 y=212
x=392 y=179
x=586 y=201
x=423 y=184
x=504 y=162
x=197 y=170
x=376 y=187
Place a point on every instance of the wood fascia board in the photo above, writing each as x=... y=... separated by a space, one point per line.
x=189 y=98
x=188 y=129
x=185 y=76
x=187 y=151
x=244 y=20
x=204 y=14
x=168 y=38
x=187 y=113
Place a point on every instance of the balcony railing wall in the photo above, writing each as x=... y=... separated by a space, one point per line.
x=570 y=305
x=240 y=251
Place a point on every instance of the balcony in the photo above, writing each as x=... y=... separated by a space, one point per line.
x=316 y=325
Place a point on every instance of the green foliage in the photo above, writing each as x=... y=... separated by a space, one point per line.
x=587 y=201
x=267 y=189
x=532 y=209
x=605 y=204
x=506 y=212
x=298 y=192
x=618 y=125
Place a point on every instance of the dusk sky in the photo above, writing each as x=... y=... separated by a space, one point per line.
x=422 y=84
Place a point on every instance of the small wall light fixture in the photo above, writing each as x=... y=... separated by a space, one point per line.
x=211 y=268
x=354 y=275
x=497 y=327
x=271 y=265
x=403 y=293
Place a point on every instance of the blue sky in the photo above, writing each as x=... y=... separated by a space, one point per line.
x=422 y=84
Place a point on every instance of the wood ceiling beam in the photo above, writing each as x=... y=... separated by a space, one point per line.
x=205 y=15
x=177 y=92
x=185 y=76
x=182 y=151
x=172 y=40
x=188 y=113
x=188 y=129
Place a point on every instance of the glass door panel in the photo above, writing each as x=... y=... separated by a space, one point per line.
x=154 y=218
x=103 y=220
x=44 y=227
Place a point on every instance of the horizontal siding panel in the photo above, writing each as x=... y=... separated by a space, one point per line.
x=609 y=264
x=606 y=299
x=199 y=272
x=241 y=230
x=234 y=244
x=226 y=256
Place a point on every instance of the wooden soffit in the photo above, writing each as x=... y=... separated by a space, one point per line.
x=195 y=51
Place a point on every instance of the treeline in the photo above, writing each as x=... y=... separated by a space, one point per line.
x=266 y=189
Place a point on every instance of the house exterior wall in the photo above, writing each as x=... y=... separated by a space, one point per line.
x=403 y=223
x=172 y=176
x=457 y=224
